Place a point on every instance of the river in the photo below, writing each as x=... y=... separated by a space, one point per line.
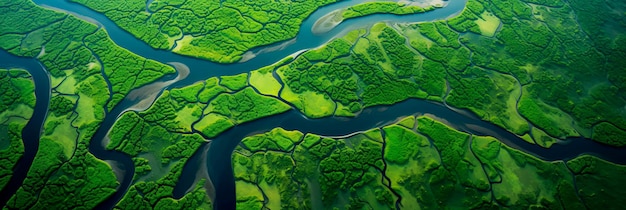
x=218 y=158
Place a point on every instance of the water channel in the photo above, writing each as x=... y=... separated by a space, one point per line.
x=218 y=157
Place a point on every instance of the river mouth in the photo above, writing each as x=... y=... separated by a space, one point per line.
x=217 y=157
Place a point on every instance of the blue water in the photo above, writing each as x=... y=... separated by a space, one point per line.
x=220 y=151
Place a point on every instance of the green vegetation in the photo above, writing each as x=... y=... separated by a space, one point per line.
x=345 y=172
x=176 y=126
x=263 y=80
x=560 y=60
x=80 y=59
x=340 y=79
x=157 y=194
x=439 y=167
x=236 y=82
x=598 y=182
x=220 y=31
x=245 y=105
x=370 y=8
x=402 y=144
x=16 y=108
x=609 y=134
x=159 y=133
x=542 y=69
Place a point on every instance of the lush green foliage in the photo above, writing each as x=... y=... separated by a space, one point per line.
x=401 y=145
x=80 y=58
x=329 y=165
x=220 y=31
x=553 y=67
x=599 y=183
x=157 y=194
x=370 y=8
x=246 y=105
x=16 y=108
x=353 y=77
x=441 y=168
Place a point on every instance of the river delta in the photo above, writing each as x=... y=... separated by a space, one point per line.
x=426 y=104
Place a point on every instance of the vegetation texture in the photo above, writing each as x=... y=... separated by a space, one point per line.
x=220 y=31
x=544 y=70
x=16 y=108
x=436 y=167
x=89 y=76
x=370 y=8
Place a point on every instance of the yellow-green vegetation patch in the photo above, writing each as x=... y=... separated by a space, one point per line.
x=86 y=106
x=60 y=129
x=509 y=117
x=408 y=122
x=277 y=140
x=183 y=44
x=309 y=140
x=249 y=196
x=246 y=105
x=553 y=121
x=188 y=94
x=344 y=111
x=273 y=195
x=334 y=49
x=374 y=134
x=188 y=115
x=236 y=82
x=542 y=138
x=488 y=24
x=91 y=96
x=211 y=89
x=68 y=86
x=312 y=104
x=264 y=81
x=19 y=110
x=354 y=35
x=528 y=138
x=213 y=124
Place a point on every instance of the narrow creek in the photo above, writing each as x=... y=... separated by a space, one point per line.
x=218 y=157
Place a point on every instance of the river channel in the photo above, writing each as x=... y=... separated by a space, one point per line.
x=218 y=157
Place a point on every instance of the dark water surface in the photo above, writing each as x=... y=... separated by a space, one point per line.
x=219 y=154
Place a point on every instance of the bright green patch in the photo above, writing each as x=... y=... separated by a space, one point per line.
x=236 y=82
x=264 y=81
x=213 y=124
x=488 y=24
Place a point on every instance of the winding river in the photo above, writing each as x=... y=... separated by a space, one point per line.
x=218 y=156
x=32 y=130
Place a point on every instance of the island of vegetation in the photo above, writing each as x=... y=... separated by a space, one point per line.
x=220 y=31
x=331 y=20
x=418 y=163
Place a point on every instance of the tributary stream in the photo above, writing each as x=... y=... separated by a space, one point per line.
x=218 y=160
